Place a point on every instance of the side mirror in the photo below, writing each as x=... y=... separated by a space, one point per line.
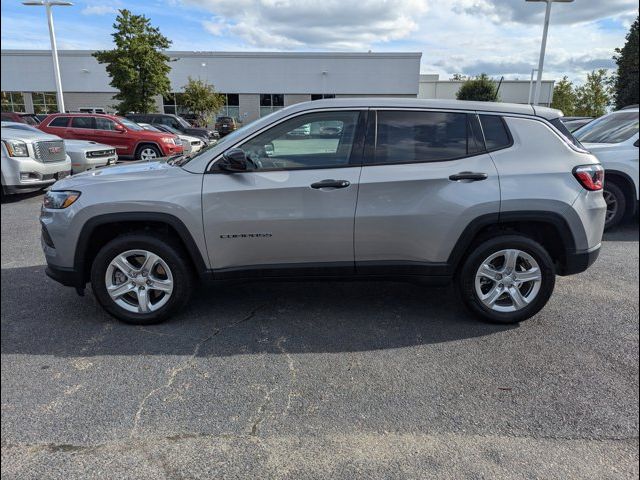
x=269 y=149
x=234 y=160
x=636 y=143
x=119 y=128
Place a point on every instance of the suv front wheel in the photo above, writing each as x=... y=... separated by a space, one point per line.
x=507 y=279
x=141 y=279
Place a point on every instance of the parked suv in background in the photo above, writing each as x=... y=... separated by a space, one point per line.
x=491 y=196
x=31 y=160
x=129 y=138
x=226 y=125
x=613 y=138
x=174 y=121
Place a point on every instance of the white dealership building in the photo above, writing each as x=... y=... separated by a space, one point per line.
x=254 y=83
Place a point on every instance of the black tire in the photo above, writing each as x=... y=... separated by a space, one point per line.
x=169 y=250
x=617 y=201
x=150 y=146
x=465 y=280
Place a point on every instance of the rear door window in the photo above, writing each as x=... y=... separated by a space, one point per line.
x=82 y=122
x=496 y=134
x=412 y=136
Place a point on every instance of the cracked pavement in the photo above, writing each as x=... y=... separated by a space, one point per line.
x=318 y=380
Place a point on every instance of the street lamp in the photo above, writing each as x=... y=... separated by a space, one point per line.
x=54 y=49
x=543 y=47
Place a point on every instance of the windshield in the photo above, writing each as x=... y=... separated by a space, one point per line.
x=184 y=123
x=613 y=128
x=129 y=124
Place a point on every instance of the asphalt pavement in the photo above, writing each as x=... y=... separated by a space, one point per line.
x=317 y=380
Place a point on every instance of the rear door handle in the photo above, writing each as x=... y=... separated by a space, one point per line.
x=472 y=176
x=330 y=183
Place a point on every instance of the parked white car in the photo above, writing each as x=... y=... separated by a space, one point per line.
x=85 y=154
x=613 y=138
x=31 y=160
x=190 y=144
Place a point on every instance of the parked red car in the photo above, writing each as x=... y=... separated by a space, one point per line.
x=129 y=138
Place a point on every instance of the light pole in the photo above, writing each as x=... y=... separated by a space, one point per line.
x=543 y=47
x=54 y=49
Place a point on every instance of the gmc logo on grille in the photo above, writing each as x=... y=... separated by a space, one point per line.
x=55 y=149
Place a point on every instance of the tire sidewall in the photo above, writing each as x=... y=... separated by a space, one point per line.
x=170 y=253
x=616 y=191
x=466 y=278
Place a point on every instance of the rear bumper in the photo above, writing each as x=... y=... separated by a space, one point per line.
x=579 y=261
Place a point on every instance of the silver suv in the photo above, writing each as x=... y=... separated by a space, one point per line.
x=497 y=198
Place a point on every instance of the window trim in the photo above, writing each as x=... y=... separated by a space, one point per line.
x=93 y=122
x=356 y=156
x=371 y=145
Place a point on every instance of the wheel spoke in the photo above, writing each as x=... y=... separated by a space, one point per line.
x=531 y=275
x=492 y=295
x=518 y=300
x=143 y=300
x=511 y=259
x=487 y=271
x=150 y=261
x=117 y=291
x=161 y=285
x=123 y=265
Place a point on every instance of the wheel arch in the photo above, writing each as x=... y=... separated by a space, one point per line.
x=99 y=230
x=625 y=182
x=548 y=228
x=142 y=143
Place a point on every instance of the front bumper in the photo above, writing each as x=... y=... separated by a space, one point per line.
x=577 y=262
x=68 y=277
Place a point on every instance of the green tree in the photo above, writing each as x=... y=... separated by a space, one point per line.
x=458 y=77
x=480 y=88
x=564 y=97
x=626 y=84
x=200 y=98
x=137 y=65
x=593 y=98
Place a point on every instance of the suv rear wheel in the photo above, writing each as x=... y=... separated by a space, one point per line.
x=141 y=279
x=507 y=279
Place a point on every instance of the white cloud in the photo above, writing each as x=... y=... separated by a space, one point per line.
x=328 y=24
x=99 y=10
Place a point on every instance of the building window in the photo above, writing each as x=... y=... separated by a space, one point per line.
x=231 y=106
x=173 y=103
x=44 y=102
x=13 y=102
x=271 y=102
x=320 y=96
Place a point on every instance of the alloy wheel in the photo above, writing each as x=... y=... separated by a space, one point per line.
x=508 y=280
x=139 y=281
x=612 y=205
x=148 y=154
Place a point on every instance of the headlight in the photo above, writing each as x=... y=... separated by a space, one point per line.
x=60 y=199
x=16 y=148
x=169 y=140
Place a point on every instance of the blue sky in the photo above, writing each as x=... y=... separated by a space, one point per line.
x=499 y=37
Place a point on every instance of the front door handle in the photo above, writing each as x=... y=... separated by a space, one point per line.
x=330 y=183
x=472 y=176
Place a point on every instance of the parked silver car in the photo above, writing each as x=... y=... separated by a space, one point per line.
x=190 y=144
x=87 y=155
x=494 y=197
x=31 y=159
x=84 y=154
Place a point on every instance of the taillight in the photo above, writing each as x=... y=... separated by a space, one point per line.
x=590 y=177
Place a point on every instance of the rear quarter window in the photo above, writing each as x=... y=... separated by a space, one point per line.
x=496 y=134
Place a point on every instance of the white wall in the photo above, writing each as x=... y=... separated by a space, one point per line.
x=244 y=72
